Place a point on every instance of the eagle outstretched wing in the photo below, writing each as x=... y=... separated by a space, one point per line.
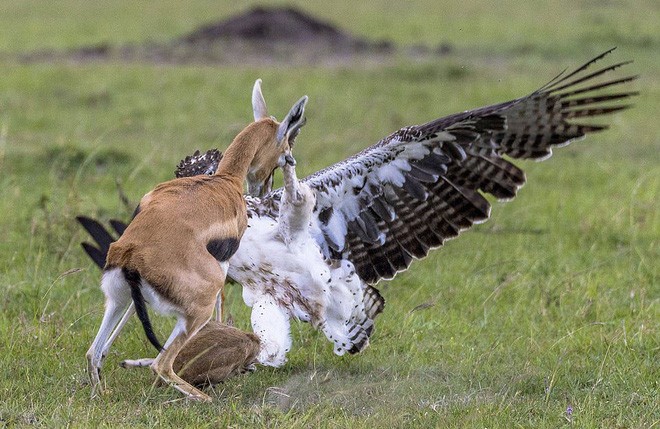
x=408 y=193
x=405 y=195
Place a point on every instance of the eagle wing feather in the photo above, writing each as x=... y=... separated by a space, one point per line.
x=396 y=200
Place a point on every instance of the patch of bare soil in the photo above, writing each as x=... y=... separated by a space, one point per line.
x=261 y=35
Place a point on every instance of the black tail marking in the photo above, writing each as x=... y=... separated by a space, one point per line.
x=133 y=279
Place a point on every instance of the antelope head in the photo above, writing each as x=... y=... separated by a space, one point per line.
x=260 y=173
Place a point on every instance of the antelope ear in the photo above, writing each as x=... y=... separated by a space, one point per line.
x=292 y=121
x=258 y=102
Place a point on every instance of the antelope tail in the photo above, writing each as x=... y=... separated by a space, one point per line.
x=133 y=280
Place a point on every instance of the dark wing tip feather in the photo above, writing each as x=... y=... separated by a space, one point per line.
x=101 y=235
x=600 y=72
x=595 y=87
x=118 y=226
x=544 y=120
x=588 y=64
x=441 y=192
x=597 y=111
x=95 y=254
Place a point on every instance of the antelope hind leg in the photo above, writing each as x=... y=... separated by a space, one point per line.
x=127 y=315
x=95 y=354
x=163 y=364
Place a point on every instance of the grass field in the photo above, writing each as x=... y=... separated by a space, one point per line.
x=547 y=316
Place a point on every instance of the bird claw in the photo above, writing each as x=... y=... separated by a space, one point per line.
x=290 y=160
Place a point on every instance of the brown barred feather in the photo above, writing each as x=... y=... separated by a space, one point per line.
x=492 y=175
x=374 y=303
x=440 y=195
x=418 y=227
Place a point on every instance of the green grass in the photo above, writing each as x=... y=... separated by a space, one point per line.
x=552 y=303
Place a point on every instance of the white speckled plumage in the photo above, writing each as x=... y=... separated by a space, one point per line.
x=368 y=217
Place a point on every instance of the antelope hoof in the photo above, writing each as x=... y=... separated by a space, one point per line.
x=94 y=373
x=194 y=394
x=191 y=392
x=95 y=382
x=201 y=398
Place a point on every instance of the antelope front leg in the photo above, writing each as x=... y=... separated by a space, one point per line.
x=296 y=207
x=96 y=353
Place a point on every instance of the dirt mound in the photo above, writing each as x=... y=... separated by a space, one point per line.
x=271 y=25
x=260 y=35
x=283 y=34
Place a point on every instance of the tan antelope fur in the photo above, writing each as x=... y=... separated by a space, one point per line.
x=174 y=253
x=216 y=353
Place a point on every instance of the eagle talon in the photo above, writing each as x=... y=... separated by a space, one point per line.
x=290 y=160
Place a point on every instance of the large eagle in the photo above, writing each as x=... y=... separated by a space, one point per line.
x=315 y=248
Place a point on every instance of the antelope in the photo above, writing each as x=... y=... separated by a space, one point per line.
x=174 y=253
x=371 y=215
x=216 y=353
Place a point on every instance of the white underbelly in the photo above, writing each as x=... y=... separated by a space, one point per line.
x=296 y=274
x=157 y=302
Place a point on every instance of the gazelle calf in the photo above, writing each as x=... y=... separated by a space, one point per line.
x=174 y=253
x=216 y=353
